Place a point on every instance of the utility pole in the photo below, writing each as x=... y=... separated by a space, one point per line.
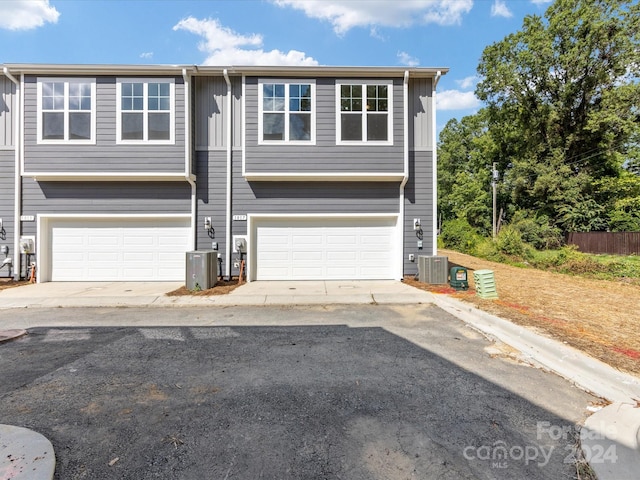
x=494 y=183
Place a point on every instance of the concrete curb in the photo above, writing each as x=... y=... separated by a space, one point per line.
x=610 y=441
x=586 y=372
x=8 y=335
x=25 y=454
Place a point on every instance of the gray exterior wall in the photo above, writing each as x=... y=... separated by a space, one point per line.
x=325 y=156
x=420 y=112
x=102 y=197
x=211 y=113
x=105 y=156
x=278 y=197
x=7 y=123
x=418 y=195
x=7 y=203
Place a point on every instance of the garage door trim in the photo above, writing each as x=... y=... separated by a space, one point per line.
x=45 y=221
x=255 y=220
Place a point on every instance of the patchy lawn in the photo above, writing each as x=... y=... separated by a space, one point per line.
x=599 y=317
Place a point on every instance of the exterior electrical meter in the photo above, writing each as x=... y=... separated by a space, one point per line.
x=458 y=278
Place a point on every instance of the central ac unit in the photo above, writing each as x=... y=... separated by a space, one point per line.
x=434 y=270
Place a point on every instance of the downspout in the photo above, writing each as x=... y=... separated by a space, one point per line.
x=228 y=247
x=405 y=177
x=188 y=159
x=436 y=79
x=17 y=260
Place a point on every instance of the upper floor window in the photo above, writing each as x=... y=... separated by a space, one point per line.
x=145 y=110
x=287 y=112
x=66 y=110
x=364 y=112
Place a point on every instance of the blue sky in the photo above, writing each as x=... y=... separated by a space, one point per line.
x=426 y=33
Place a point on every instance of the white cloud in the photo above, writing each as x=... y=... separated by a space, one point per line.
x=347 y=14
x=456 y=100
x=146 y=55
x=468 y=82
x=541 y=2
x=26 y=14
x=500 y=9
x=226 y=47
x=405 y=59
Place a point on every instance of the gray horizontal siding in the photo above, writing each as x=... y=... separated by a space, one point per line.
x=420 y=112
x=325 y=156
x=105 y=155
x=7 y=203
x=278 y=197
x=418 y=204
x=7 y=124
x=103 y=198
x=211 y=115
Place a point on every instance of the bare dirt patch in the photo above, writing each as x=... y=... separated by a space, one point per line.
x=222 y=287
x=10 y=283
x=601 y=318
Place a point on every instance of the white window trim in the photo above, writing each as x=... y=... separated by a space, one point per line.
x=66 y=140
x=364 y=141
x=145 y=111
x=286 y=112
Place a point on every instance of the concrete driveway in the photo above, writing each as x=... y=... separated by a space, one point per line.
x=108 y=294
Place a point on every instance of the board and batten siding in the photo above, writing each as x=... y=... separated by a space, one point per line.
x=418 y=203
x=7 y=122
x=105 y=156
x=119 y=198
x=7 y=203
x=325 y=156
x=420 y=113
x=211 y=112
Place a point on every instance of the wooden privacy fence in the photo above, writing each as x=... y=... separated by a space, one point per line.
x=615 y=243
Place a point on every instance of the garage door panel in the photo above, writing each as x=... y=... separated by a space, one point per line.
x=330 y=249
x=118 y=249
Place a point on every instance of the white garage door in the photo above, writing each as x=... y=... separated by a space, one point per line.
x=118 y=250
x=325 y=249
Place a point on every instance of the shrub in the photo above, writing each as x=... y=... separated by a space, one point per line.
x=509 y=241
x=537 y=231
x=457 y=234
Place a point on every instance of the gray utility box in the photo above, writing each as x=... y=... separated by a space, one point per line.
x=434 y=270
x=202 y=269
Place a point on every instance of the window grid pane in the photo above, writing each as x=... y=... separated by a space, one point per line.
x=53 y=95
x=351 y=98
x=79 y=96
x=132 y=96
x=300 y=98
x=158 y=96
x=273 y=97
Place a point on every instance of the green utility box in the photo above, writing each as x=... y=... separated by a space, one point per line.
x=485 y=284
x=458 y=278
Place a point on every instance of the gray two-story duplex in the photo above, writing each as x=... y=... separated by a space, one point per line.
x=113 y=172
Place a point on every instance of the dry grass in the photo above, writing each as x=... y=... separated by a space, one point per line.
x=601 y=318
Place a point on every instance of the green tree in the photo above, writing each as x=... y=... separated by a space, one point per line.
x=562 y=99
x=465 y=155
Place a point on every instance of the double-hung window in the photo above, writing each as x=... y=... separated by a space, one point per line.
x=66 y=110
x=286 y=112
x=365 y=112
x=145 y=110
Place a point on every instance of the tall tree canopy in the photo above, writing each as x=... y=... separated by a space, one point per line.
x=562 y=117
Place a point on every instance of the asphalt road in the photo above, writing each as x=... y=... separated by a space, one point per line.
x=363 y=392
